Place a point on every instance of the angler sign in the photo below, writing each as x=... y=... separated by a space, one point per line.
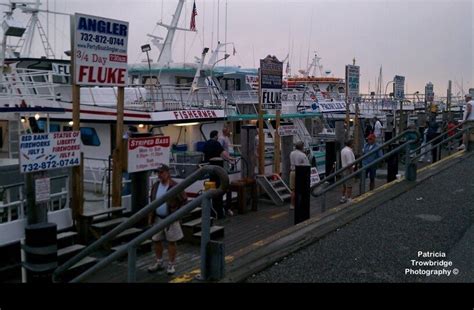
x=100 y=50
x=271 y=72
x=148 y=153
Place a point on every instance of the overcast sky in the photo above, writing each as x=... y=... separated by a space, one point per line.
x=424 y=40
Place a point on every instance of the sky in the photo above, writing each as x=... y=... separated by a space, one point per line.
x=423 y=40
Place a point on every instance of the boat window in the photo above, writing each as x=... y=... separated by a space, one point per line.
x=52 y=127
x=89 y=136
x=184 y=82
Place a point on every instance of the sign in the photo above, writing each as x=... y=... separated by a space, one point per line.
x=252 y=81
x=429 y=93
x=148 y=153
x=314 y=176
x=196 y=114
x=399 y=87
x=271 y=99
x=100 y=51
x=332 y=107
x=271 y=78
x=352 y=82
x=61 y=69
x=287 y=130
x=42 y=190
x=46 y=151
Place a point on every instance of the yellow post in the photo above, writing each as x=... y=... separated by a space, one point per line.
x=117 y=154
x=277 y=144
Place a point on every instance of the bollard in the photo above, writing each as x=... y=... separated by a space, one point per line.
x=302 y=193
x=215 y=260
x=41 y=252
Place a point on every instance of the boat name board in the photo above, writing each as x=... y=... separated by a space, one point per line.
x=100 y=50
x=148 y=153
x=195 y=114
x=46 y=151
x=331 y=107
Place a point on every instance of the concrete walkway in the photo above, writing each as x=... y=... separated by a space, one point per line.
x=430 y=225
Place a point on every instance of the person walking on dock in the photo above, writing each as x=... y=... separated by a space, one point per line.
x=347 y=158
x=468 y=116
x=369 y=147
x=297 y=158
x=171 y=233
x=378 y=130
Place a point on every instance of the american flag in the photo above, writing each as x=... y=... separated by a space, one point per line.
x=192 y=26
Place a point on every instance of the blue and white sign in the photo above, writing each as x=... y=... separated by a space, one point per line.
x=100 y=51
x=352 y=82
x=399 y=87
x=46 y=151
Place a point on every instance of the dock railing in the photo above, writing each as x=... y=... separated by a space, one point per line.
x=131 y=247
x=316 y=191
x=411 y=155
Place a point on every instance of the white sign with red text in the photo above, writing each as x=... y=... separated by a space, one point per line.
x=314 y=176
x=46 y=151
x=148 y=153
x=100 y=51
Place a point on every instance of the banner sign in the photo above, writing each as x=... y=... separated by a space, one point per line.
x=148 y=153
x=271 y=77
x=352 y=82
x=100 y=50
x=46 y=151
x=399 y=87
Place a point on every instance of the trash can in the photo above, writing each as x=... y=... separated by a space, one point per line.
x=41 y=252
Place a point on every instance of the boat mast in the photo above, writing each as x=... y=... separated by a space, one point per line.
x=165 y=57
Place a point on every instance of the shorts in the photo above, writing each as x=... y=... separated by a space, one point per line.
x=350 y=181
x=292 y=180
x=171 y=233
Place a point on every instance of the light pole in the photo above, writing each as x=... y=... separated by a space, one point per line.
x=146 y=48
x=212 y=74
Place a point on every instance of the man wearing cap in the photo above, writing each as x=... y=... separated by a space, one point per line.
x=369 y=147
x=468 y=116
x=171 y=233
x=297 y=158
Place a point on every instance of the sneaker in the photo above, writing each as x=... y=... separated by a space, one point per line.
x=349 y=200
x=461 y=147
x=158 y=265
x=343 y=199
x=230 y=213
x=170 y=269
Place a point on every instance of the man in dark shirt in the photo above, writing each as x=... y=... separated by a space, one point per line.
x=213 y=148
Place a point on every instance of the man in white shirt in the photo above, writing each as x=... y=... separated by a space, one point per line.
x=297 y=158
x=224 y=140
x=347 y=158
x=378 y=132
x=468 y=116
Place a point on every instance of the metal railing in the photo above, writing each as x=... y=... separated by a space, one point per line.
x=361 y=171
x=439 y=141
x=13 y=203
x=131 y=247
